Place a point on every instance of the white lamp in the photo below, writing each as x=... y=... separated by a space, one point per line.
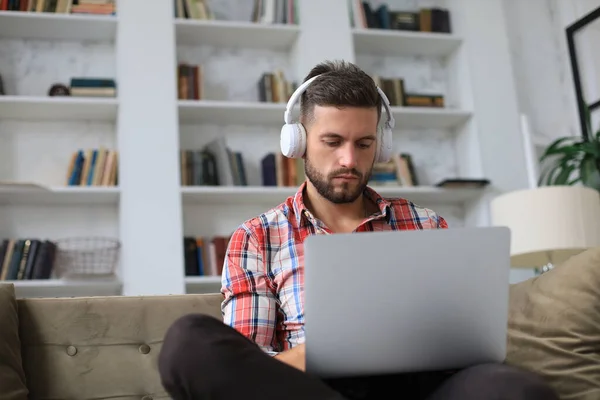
x=548 y=224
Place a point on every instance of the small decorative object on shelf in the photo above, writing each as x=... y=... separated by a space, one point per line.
x=1 y=87
x=58 y=89
x=87 y=257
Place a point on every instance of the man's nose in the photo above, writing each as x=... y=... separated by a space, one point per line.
x=348 y=158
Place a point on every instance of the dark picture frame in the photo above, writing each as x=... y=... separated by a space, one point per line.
x=583 y=104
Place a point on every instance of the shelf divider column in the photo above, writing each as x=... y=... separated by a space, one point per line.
x=148 y=140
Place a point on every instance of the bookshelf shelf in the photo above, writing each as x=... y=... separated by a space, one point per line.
x=235 y=34
x=202 y=284
x=31 y=108
x=62 y=196
x=274 y=195
x=230 y=112
x=50 y=26
x=385 y=42
x=428 y=118
x=66 y=288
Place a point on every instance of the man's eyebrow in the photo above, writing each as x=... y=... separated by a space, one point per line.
x=331 y=135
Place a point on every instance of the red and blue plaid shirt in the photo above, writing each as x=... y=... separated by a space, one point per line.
x=263 y=273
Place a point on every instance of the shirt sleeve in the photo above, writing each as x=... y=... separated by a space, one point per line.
x=249 y=303
x=441 y=222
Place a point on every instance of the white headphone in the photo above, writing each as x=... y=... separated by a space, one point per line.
x=293 y=135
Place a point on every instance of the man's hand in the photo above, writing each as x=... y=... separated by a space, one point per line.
x=296 y=357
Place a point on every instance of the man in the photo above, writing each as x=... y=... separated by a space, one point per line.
x=259 y=351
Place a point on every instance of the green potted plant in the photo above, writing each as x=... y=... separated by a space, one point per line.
x=572 y=159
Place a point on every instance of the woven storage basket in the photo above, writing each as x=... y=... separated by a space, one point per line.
x=86 y=257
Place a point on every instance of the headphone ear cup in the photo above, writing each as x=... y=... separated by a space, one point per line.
x=293 y=140
x=384 y=145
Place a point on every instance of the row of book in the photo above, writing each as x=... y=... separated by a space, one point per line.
x=204 y=256
x=26 y=259
x=96 y=7
x=93 y=167
x=212 y=165
x=399 y=171
x=432 y=19
x=396 y=94
x=216 y=164
x=275 y=12
x=273 y=87
x=192 y=9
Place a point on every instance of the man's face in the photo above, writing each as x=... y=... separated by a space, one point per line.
x=340 y=151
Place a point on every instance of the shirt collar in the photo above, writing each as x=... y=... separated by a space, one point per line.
x=300 y=210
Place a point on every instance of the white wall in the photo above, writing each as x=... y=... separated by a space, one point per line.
x=541 y=65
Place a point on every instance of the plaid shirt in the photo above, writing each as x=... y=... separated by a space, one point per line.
x=263 y=273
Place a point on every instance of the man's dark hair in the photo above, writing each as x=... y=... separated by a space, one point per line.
x=342 y=84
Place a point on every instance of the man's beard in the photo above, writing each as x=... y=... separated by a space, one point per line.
x=326 y=188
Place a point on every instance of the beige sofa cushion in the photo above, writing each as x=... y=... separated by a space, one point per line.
x=12 y=377
x=554 y=326
x=100 y=347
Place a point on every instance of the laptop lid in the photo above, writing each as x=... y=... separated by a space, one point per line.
x=406 y=301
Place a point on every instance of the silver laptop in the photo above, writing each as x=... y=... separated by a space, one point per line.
x=406 y=301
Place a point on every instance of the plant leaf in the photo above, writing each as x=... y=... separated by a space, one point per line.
x=552 y=173
x=562 y=170
x=564 y=175
x=555 y=147
x=590 y=148
x=590 y=175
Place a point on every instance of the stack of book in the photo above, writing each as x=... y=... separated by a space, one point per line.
x=93 y=87
x=96 y=7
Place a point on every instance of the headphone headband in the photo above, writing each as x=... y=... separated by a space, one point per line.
x=390 y=122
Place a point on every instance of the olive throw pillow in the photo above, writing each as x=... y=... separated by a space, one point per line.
x=554 y=326
x=12 y=376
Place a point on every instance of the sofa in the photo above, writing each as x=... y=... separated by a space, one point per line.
x=107 y=347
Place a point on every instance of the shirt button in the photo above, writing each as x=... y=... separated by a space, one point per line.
x=71 y=350
x=144 y=349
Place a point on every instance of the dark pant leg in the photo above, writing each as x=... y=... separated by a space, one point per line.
x=494 y=382
x=409 y=386
x=203 y=358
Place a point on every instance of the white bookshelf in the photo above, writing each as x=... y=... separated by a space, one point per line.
x=260 y=195
x=59 y=195
x=429 y=118
x=230 y=112
x=32 y=25
x=39 y=133
x=57 y=108
x=235 y=34
x=385 y=42
x=480 y=137
x=236 y=112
